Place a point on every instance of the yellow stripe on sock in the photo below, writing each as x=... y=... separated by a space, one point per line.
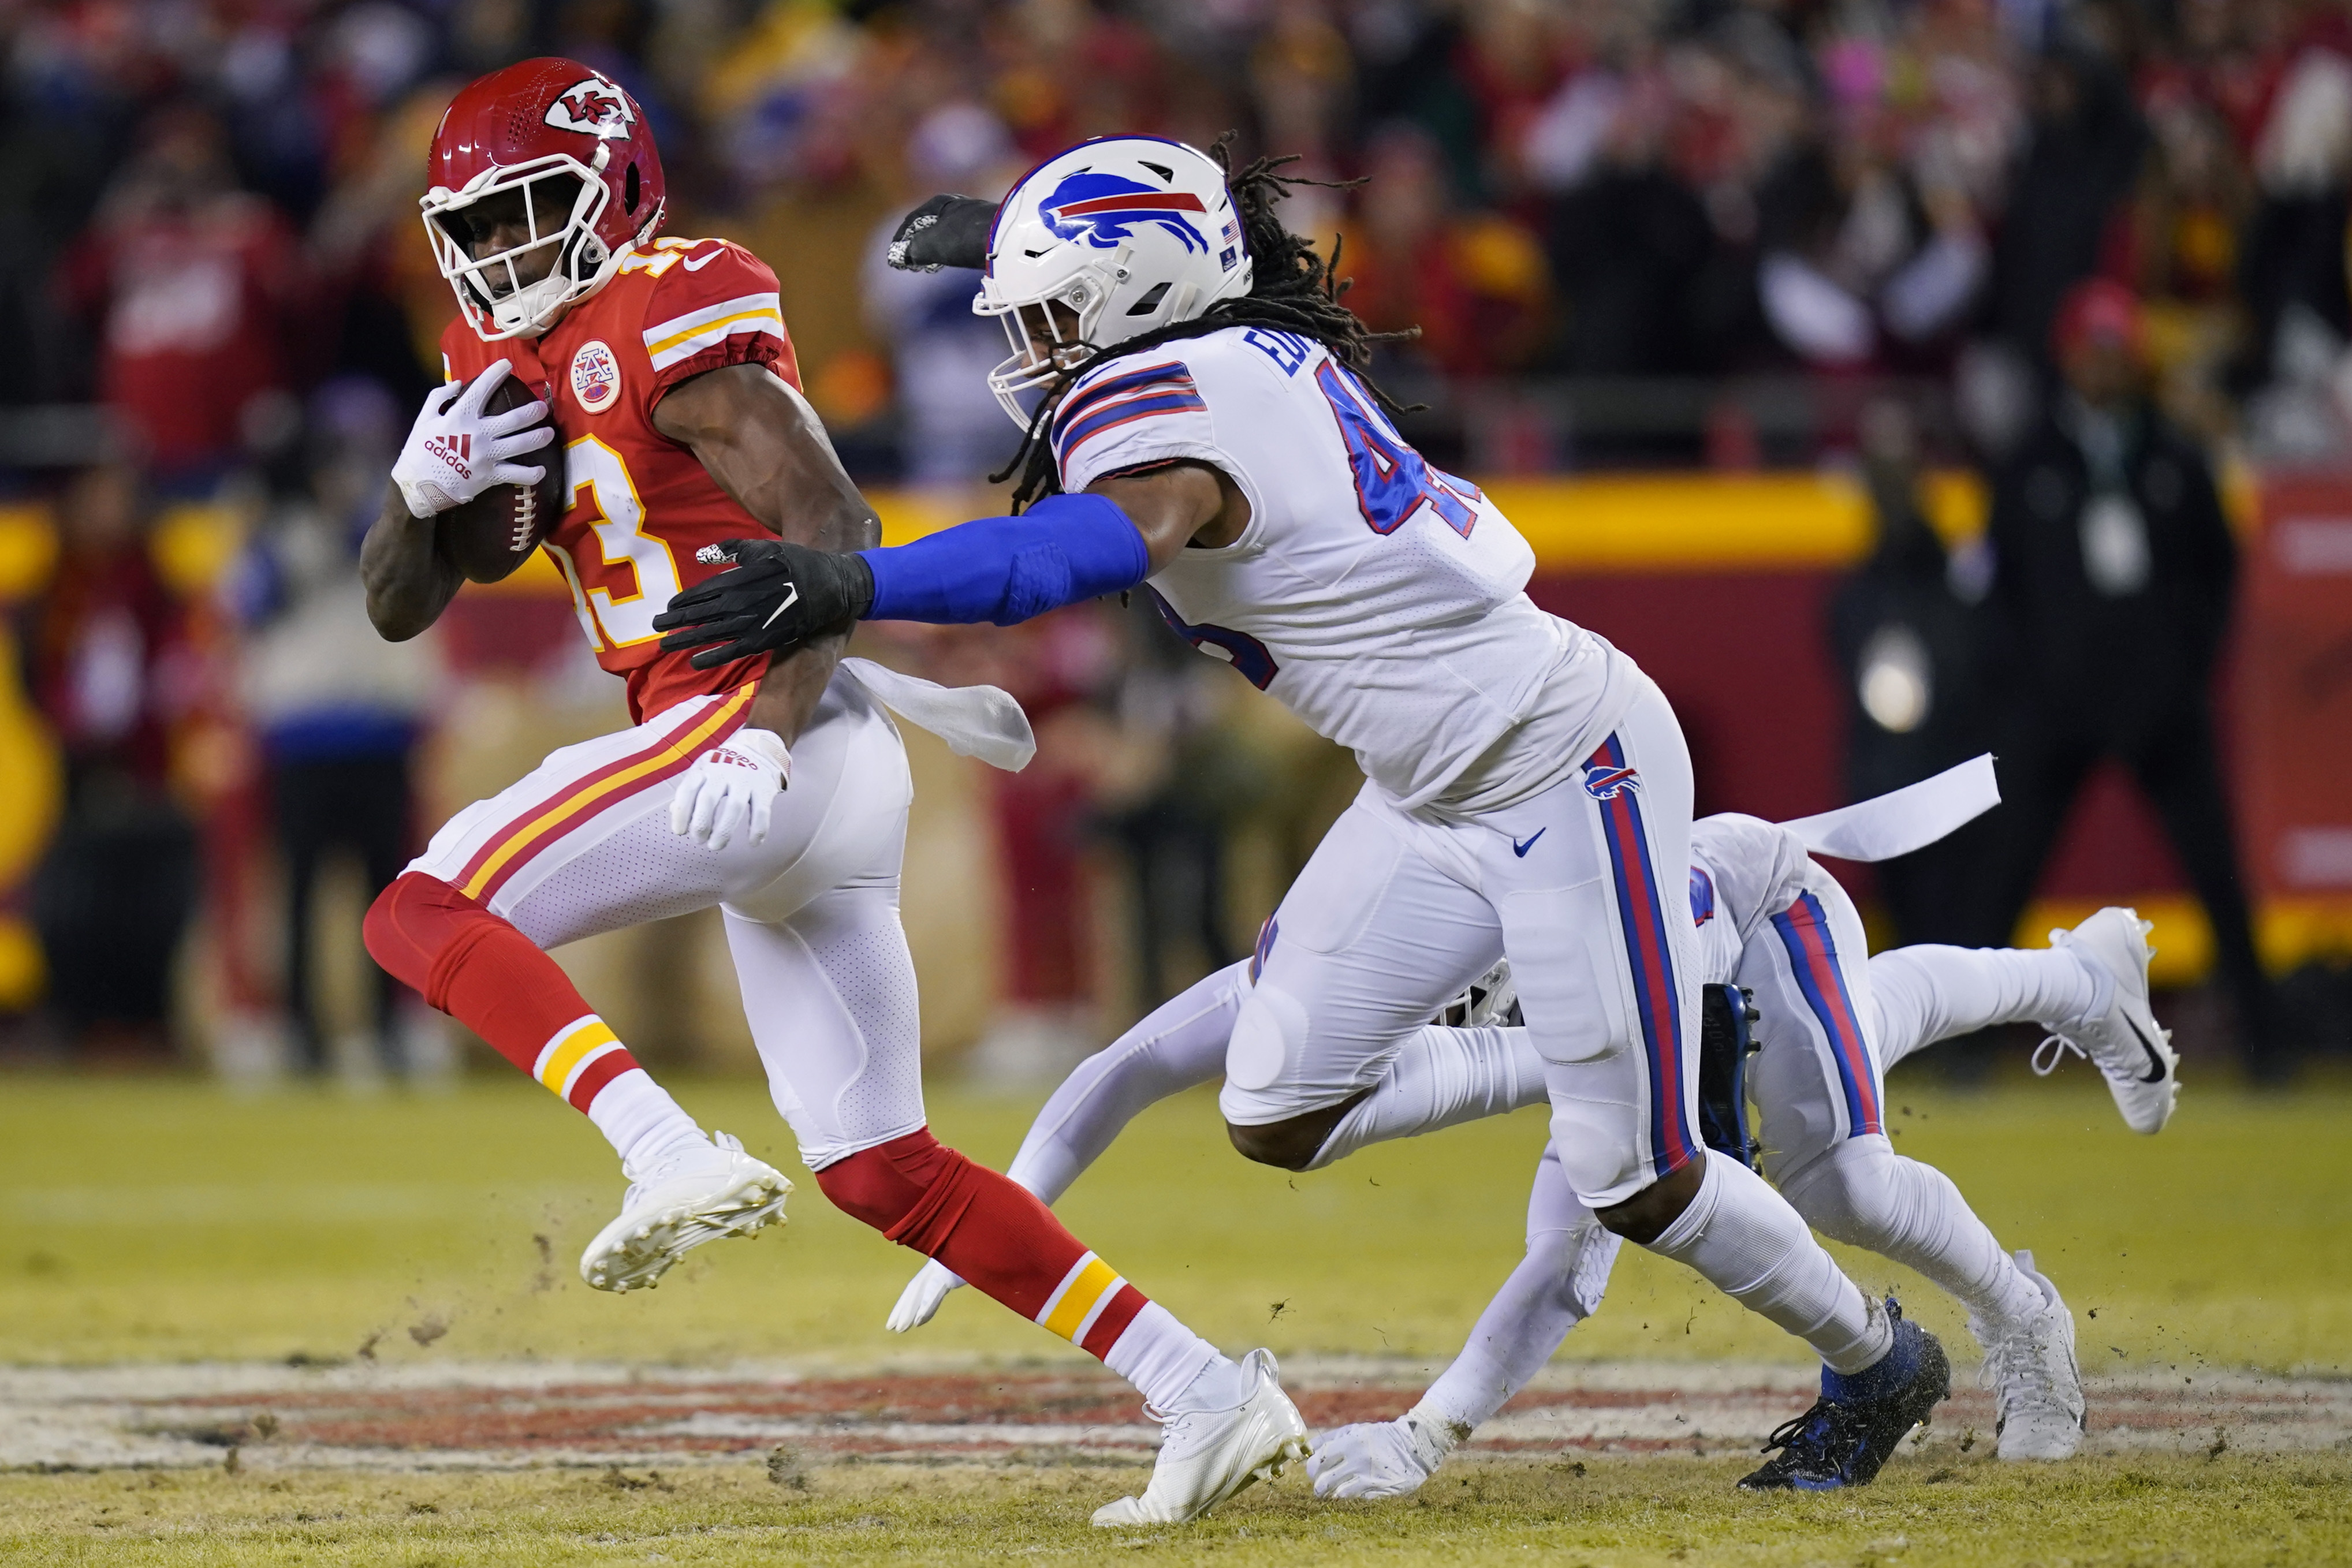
x=570 y=1049
x=1068 y=1315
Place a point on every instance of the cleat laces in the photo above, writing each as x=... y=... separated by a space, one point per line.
x=2052 y=1051
x=2017 y=1375
x=1807 y=1444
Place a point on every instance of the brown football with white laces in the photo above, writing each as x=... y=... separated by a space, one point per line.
x=492 y=535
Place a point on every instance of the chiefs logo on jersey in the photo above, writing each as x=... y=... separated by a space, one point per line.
x=595 y=107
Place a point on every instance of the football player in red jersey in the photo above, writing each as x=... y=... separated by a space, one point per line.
x=670 y=383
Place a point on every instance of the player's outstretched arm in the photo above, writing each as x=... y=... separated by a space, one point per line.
x=1557 y=1285
x=998 y=569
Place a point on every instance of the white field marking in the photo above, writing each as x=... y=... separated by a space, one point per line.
x=422 y=1415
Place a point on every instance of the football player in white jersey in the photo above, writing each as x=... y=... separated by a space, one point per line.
x=1773 y=922
x=1204 y=431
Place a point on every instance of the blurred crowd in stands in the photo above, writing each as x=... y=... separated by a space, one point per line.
x=212 y=211
x=1630 y=232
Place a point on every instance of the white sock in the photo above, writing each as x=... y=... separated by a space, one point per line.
x=1928 y=993
x=1441 y=1077
x=1555 y=1286
x=1173 y=1367
x=1864 y=1194
x=640 y=1120
x=1744 y=1239
x=1179 y=1044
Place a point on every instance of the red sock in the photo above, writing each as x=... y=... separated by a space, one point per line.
x=992 y=1231
x=492 y=978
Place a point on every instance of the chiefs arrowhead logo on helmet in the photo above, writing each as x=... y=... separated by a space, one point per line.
x=594 y=106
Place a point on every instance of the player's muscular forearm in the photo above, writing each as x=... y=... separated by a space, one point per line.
x=1178 y=505
x=794 y=682
x=764 y=445
x=409 y=583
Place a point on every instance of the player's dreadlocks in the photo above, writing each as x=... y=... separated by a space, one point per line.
x=1291 y=290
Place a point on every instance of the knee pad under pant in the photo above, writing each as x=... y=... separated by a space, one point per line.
x=1845 y=1192
x=1269 y=1038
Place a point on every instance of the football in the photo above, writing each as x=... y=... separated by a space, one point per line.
x=494 y=532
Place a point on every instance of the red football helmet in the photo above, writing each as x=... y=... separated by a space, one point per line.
x=578 y=148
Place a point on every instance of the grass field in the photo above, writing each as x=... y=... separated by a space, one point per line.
x=1590 y=1514
x=164 y=1221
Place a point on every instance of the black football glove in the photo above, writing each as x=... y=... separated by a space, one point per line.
x=946 y=230
x=775 y=598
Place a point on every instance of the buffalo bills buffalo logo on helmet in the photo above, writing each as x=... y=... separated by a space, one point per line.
x=1100 y=209
x=1603 y=782
x=594 y=106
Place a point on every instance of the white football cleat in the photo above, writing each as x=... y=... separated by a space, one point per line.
x=695 y=1192
x=1207 y=1455
x=2123 y=1040
x=922 y=1296
x=2037 y=1386
x=1375 y=1459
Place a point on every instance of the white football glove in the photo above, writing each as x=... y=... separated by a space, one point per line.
x=922 y=1296
x=731 y=785
x=456 y=452
x=1380 y=1459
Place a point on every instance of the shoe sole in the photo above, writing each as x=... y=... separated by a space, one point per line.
x=652 y=1245
x=1291 y=1451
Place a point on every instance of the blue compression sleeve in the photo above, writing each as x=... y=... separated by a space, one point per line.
x=1005 y=570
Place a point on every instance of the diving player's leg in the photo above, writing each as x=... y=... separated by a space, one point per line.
x=2088 y=988
x=830 y=991
x=1179 y=1045
x=1557 y=1285
x=1441 y=1077
x=1818 y=1086
x=1372 y=936
x=1924 y=993
x=1599 y=941
x=582 y=845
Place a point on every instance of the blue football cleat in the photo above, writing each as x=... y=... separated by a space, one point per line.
x=1852 y=1429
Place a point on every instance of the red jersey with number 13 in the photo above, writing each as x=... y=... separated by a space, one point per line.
x=645 y=517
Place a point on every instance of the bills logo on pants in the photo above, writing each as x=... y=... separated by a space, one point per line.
x=1607 y=780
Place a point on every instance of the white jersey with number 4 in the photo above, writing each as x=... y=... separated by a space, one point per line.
x=1380 y=599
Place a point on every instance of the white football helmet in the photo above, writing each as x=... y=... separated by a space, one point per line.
x=1130 y=233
